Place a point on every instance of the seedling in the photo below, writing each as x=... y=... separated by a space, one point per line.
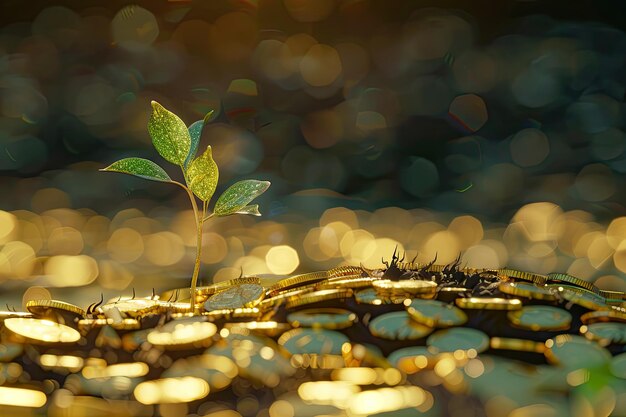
x=178 y=144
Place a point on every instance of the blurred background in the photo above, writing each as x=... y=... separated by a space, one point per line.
x=490 y=129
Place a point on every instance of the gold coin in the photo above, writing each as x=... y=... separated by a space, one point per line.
x=370 y=296
x=175 y=306
x=603 y=316
x=605 y=333
x=297 y=281
x=312 y=341
x=130 y=308
x=244 y=295
x=267 y=328
x=323 y=318
x=234 y=313
x=41 y=331
x=525 y=276
x=14 y=314
x=529 y=290
x=581 y=297
x=557 y=278
x=434 y=313
x=84 y=325
x=280 y=298
x=398 y=325
x=191 y=331
x=458 y=338
x=541 y=318
x=345 y=271
x=407 y=286
x=318 y=296
x=35 y=293
x=346 y=282
x=612 y=295
x=520 y=345
x=572 y=351
x=489 y=303
x=224 y=285
x=45 y=307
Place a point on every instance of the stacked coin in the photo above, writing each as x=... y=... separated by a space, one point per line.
x=438 y=339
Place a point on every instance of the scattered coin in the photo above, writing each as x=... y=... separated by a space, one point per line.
x=398 y=326
x=434 y=313
x=489 y=303
x=324 y=318
x=458 y=338
x=243 y=295
x=541 y=318
x=39 y=331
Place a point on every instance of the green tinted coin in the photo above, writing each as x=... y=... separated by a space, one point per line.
x=572 y=351
x=540 y=318
x=435 y=313
x=398 y=326
x=313 y=341
x=410 y=352
x=458 y=338
x=605 y=333
x=325 y=318
x=370 y=296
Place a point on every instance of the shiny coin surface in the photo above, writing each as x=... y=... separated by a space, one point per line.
x=573 y=351
x=603 y=315
x=131 y=308
x=523 y=275
x=581 y=297
x=234 y=313
x=44 y=307
x=124 y=324
x=183 y=333
x=489 y=303
x=407 y=286
x=398 y=326
x=557 y=277
x=346 y=282
x=605 y=333
x=434 y=313
x=45 y=331
x=538 y=318
x=520 y=345
x=324 y=318
x=297 y=281
x=313 y=341
x=529 y=290
x=244 y=295
x=458 y=338
x=318 y=296
x=267 y=328
x=14 y=314
x=370 y=296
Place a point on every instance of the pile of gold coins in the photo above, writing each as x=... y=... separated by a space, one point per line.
x=406 y=340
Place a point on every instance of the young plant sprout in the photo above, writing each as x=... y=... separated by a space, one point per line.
x=178 y=144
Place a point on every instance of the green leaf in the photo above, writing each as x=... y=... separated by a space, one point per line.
x=202 y=175
x=252 y=210
x=195 y=132
x=139 y=167
x=238 y=195
x=169 y=134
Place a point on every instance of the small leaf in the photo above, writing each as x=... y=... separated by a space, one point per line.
x=195 y=131
x=252 y=210
x=169 y=134
x=139 y=167
x=202 y=175
x=238 y=195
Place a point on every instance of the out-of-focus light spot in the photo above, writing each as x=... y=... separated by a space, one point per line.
x=616 y=232
x=386 y=399
x=534 y=88
x=49 y=198
x=312 y=245
x=226 y=274
x=65 y=241
x=164 y=248
x=340 y=214
x=444 y=245
x=243 y=86
x=134 y=26
x=537 y=220
x=17 y=260
x=125 y=245
x=483 y=256
x=420 y=177
x=595 y=182
x=357 y=246
x=529 y=147
x=22 y=397
x=535 y=410
x=282 y=259
x=252 y=265
x=474 y=368
x=619 y=257
x=355 y=62
x=611 y=283
x=608 y=144
x=474 y=71
x=215 y=248
x=70 y=271
x=599 y=251
x=281 y=408
x=380 y=248
x=35 y=293
x=468 y=229
x=308 y=11
x=171 y=390
x=114 y=275
x=8 y=224
x=236 y=149
x=322 y=129
x=370 y=120
x=335 y=393
x=72 y=363
x=234 y=36
x=320 y=66
x=469 y=112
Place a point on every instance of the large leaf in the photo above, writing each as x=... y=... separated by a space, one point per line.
x=202 y=175
x=195 y=132
x=169 y=135
x=139 y=167
x=238 y=195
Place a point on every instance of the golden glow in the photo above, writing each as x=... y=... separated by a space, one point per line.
x=65 y=241
x=282 y=260
x=386 y=399
x=71 y=271
x=125 y=245
x=171 y=390
x=129 y=370
x=367 y=376
x=164 y=248
x=8 y=223
x=337 y=393
x=182 y=333
x=72 y=363
x=42 y=330
x=281 y=408
x=21 y=397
